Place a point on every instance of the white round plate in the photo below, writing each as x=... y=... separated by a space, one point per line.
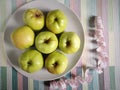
x=16 y=21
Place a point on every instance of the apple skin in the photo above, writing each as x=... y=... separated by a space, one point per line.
x=31 y=61
x=22 y=37
x=56 y=21
x=46 y=42
x=34 y=18
x=69 y=42
x=56 y=62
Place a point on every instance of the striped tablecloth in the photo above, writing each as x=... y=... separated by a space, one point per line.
x=109 y=10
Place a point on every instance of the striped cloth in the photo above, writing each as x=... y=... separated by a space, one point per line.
x=109 y=10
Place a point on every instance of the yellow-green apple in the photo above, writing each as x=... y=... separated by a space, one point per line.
x=34 y=18
x=56 y=21
x=56 y=62
x=31 y=61
x=23 y=37
x=69 y=42
x=46 y=42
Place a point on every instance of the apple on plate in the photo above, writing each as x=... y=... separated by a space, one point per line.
x=56 y=62
x=56 y=21
x=69 y=42
x=34 y=18
x=46 y=42
x=31 y=61
x=22 y=37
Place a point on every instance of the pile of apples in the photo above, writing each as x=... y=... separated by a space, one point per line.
x=44 y=35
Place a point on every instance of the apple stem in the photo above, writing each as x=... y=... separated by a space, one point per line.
x=56 y=19
x=55 y=64
x=68 y=43
x=47 y=41
x=38 y=14
x=29 y=63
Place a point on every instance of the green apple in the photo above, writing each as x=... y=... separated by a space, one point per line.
x=34 y=18
x=56 y=62
x=23 y=37
x=69 y=42
x=56 y=21
x=31 y=61
x=46 y=42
